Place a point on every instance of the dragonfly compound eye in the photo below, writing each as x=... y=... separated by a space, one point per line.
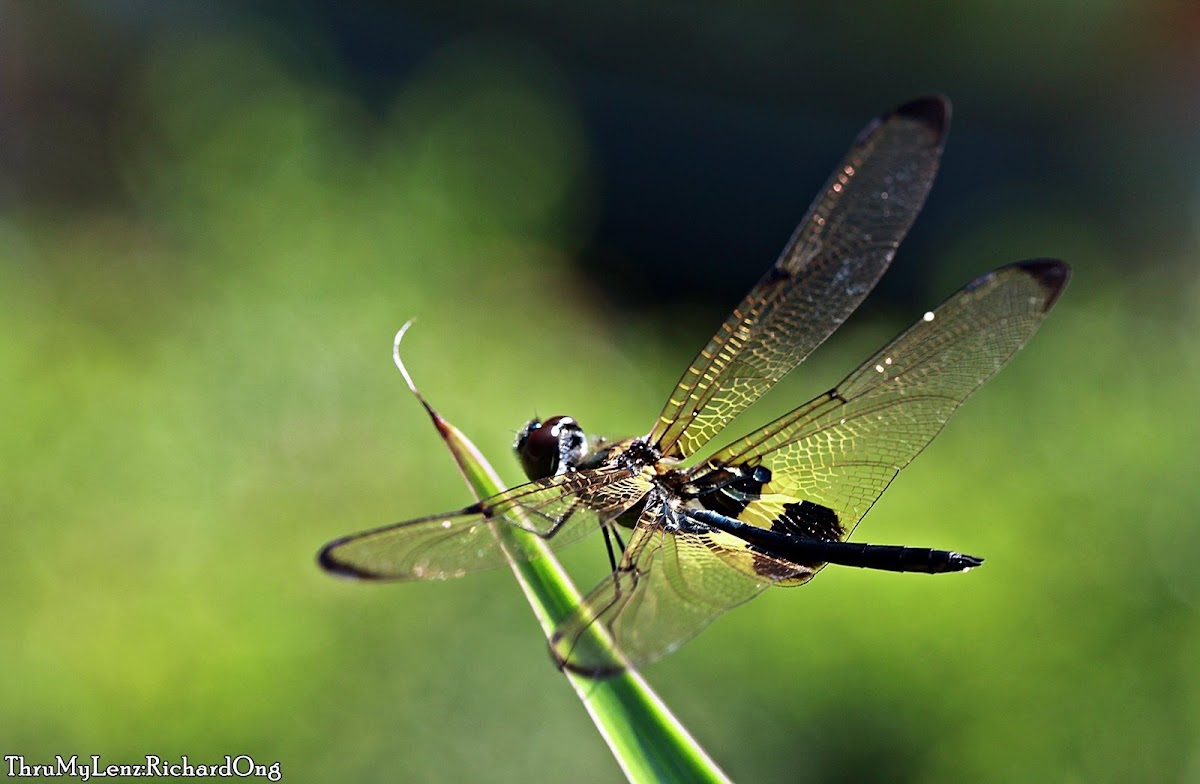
x=550 y=447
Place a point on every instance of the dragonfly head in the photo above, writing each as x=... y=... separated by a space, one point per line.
x=555 y=446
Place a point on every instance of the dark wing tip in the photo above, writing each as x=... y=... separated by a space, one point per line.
x=595 y=671
x=1052 y=274
x=329 y=562
x=930 y=110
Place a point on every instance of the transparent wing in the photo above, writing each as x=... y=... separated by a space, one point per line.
x=833 y=260
x=561 y=509
x=670 y=585
x=830 y=459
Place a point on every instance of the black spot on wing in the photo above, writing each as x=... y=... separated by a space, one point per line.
x=732 y=489
x=804 y=519
x=809 y=519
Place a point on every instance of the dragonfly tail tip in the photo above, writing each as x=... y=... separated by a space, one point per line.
x=964 y=562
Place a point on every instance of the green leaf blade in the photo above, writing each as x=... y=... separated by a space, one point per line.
x=646 y=739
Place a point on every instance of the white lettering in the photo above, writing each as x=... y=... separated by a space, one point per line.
x=240 y=762
x=240 y=766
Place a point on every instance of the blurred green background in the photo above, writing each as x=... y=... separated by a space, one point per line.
x=214 y=216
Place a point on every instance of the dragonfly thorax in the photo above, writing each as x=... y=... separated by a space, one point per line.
x=637 y=454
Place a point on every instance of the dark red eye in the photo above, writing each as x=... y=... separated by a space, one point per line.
x=544 y=447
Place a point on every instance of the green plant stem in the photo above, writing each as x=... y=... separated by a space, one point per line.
x=648 y=742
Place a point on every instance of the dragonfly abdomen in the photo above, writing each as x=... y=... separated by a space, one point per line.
x=897 y=558
x=807 y=551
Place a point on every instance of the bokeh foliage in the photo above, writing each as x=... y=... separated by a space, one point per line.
x=198 y=393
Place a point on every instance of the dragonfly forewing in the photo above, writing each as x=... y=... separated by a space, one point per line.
x=833 y=260
x=561 y=509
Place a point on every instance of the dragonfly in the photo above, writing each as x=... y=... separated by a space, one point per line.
x=708 y=532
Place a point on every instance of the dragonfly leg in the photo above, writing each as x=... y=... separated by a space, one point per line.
x=617 y=534
x=612 y=556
